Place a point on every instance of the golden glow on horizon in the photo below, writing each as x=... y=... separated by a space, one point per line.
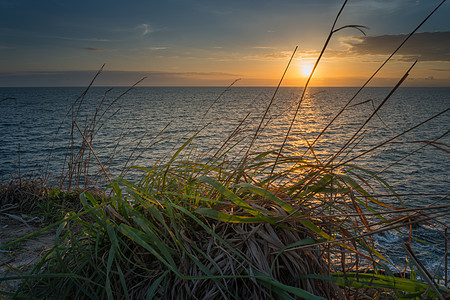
x=306 y=70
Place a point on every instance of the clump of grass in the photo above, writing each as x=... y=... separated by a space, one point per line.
x=160 y=237
x=21 y=194
x=194 y=230
x=34 y=197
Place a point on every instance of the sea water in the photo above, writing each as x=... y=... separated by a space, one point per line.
x=147 y=124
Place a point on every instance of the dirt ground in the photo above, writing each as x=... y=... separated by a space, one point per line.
x=19 y=258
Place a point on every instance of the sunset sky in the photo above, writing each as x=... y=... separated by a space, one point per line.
x=204 y=42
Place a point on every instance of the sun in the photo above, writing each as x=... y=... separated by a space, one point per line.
x=306 y=70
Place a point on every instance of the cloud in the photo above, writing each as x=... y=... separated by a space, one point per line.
x=269 y=55
x=261 y=47
x=145 y=29
x=30 y=73
x=378 y=5
x=76 y=39
x=190 y=74
x=425 y=46
x=95 y=49
x=114 y=78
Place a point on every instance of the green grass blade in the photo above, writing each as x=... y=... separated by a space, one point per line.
x=364 y=280
x=276 y=285
x=108 y=289
x=142 y=239
x=234 y=198
x=268 y=195
x=163 y=249
x=220 y=216
x=154 y=287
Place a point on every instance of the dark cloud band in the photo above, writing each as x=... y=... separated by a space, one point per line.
x=426 y=46
x=95 y=49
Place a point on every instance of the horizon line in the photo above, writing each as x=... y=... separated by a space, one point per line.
x=210 y=86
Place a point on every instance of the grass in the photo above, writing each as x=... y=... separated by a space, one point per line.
x=259 y=225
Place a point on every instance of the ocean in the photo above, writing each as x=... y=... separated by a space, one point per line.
x=147 y=124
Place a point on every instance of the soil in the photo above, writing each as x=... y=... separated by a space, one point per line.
x=22 y=256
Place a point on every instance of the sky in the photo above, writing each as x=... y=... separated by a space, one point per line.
x=213 y=43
